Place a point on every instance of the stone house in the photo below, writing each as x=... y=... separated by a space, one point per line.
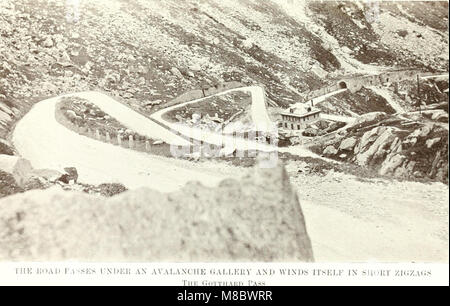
x=298 y=117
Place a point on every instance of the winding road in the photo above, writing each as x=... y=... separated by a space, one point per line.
x=259 y=114
x=260 y=118
x=39 y=138
x=47 y=144
x=261 y=122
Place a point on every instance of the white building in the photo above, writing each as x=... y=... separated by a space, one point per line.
x=298 y=116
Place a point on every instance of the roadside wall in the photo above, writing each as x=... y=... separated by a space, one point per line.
x=356 y=83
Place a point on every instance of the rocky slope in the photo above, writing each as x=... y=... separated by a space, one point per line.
x=389 y=33
x=354 y=104
x=144 y=51
x=256 y=219
x=413 y=146
x=17 y=175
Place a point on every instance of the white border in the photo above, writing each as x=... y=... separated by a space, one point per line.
x=423 y=274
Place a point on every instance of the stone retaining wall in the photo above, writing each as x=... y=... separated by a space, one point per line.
x=356 y=83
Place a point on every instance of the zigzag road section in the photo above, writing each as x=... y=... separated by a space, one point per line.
x=39 y=138
x=260 y=118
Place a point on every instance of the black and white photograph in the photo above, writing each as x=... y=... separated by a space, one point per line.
x=224 y=131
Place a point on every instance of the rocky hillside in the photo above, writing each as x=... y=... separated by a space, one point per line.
x=390 y=33
x=143 y=51
x=354 y=104
x=147 y=52
x=412 y=146
x=263 y=221
x=17 y=175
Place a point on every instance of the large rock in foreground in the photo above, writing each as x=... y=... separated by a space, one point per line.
x=256 y=219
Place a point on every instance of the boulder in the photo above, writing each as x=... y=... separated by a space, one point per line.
x=426 y=130
x=65 y=58
x=176 y=72
x=401 y=172
x=18 y=167
x=48 y=42
x=418 y=174
x=257 y=218
x=391 y=163
x=394 y=144
x=70 y=176
x=436 y=161
x=68 y=73
x=47 y=174
x=72 y=172
x=440 y=116
x=36 y=183
x=423 y=131
x=347 y=144
x=296 y=140
x=319 y=71
x=368 y=138
x=378 y=148
x=196 y=117
x=346 y=50
x=442 y=174
x=330 y=150
x=71 y=114
x=195 y=68
x=247 y=43
x=411 y=141
x=410 y=166
x=368 y=117
x=216 y=41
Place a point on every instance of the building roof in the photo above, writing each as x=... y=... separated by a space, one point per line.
x=300 y=110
